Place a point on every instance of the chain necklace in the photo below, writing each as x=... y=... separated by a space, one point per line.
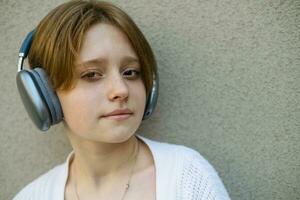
x=128 y=182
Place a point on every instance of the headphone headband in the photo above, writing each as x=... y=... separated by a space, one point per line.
x=23 y=52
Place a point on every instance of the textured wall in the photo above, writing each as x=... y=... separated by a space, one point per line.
x=229 y=77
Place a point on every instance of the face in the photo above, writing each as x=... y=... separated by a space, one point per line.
x=108 y=78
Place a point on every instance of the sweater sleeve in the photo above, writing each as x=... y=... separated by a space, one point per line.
x=26 y=193
x=47 y=186
x=199 y=180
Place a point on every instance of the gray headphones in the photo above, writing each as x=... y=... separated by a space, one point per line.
x=40 y=99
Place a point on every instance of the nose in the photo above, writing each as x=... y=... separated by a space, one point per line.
x=118 y=89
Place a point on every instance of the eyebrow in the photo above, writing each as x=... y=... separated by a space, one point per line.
x=99 y=61
x=129 y=59
x=96 y=61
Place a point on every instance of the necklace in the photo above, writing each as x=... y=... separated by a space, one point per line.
x=128 y=182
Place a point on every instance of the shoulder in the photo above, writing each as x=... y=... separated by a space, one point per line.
x=179 y=153
x=187 y=158
x=195 y=178
x=43 y=186
x=166 y=149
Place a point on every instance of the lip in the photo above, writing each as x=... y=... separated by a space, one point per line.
x=118 y=117
x=119 y=113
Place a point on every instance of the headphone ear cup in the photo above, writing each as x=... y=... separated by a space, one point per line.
x=33 y=100
x=49 y=94
x=152 y=98
x=39 y=98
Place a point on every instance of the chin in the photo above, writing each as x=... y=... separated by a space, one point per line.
x=119 y=137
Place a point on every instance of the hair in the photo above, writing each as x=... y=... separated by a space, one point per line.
x=59 y=36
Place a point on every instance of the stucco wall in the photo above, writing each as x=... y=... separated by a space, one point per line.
x=229 y=87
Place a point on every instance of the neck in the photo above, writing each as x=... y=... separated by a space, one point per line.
x=95 y=161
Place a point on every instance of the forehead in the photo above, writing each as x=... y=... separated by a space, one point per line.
x=105 y=42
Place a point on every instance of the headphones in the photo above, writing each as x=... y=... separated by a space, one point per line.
x=40 y=99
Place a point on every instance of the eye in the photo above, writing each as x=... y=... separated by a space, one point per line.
x=92 y=76
x=131 y=74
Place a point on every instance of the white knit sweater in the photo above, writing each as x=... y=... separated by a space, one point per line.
x=181 y=174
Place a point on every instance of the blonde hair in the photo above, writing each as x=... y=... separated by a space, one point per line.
x=58 y=39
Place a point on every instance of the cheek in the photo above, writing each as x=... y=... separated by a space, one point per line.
x=77 y=107
x=138 y=93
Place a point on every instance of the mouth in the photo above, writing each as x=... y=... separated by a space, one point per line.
x=119 y=114
x=118 y=117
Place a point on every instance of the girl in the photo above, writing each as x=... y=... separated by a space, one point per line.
x=97 y=74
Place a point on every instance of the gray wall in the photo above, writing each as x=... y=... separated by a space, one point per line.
x=229 y=77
